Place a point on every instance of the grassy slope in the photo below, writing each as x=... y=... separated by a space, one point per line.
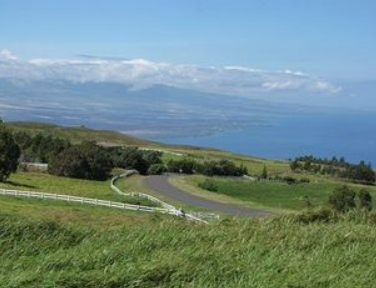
x=173 y=253
x=43 y=182
x=69 y=213
x=269 y=194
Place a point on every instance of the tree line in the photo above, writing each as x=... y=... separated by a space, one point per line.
x=88 y=160
x=361 y=172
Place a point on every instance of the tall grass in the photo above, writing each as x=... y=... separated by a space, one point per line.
x=281 y=252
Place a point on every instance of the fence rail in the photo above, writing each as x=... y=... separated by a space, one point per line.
x=164 y=209
x=137 y=194
x=84 y=200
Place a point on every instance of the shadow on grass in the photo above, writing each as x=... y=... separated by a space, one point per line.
x=15 y=184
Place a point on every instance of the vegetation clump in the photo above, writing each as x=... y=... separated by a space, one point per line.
x=9 y=153
x=157 y=169
x=209 y=185
x=209 y=168
x=361 y=172
x=84 y=161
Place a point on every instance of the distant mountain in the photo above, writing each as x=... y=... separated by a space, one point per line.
x=154 y=112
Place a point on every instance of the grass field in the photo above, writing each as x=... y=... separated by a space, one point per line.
x=43 y=182
x=70 y=213
x=269 y=194
x=150 y=252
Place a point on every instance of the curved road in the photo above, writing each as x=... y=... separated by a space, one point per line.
x=161 y=185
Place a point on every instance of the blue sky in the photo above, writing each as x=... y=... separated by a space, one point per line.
x=329 y=38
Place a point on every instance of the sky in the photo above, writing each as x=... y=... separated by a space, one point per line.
x=335 y=39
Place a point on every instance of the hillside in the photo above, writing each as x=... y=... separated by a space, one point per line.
x=109 y=138
x=152 y=252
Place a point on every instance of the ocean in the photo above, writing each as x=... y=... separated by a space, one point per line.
x=351 y=135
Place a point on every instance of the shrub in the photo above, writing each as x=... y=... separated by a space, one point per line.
x=342 y=199
x=318 y=215
x=85 y=161
x=365 y=199
x=9 y=153
x=186 y=166
x=304 y=180
x=209 y=185
x=290 y=180
x=264 y=173
x=157 y=169
x=131 y=158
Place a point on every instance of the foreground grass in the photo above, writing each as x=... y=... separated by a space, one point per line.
x=70 y=213
x=270 y=194
x=174 y=253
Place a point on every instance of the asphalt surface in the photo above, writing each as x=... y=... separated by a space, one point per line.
x=161 y=185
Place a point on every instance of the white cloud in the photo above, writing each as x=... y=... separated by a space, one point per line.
x=7 y=55
x=140 y=73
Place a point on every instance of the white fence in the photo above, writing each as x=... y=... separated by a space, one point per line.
x=165 y=209
x=137 y=194
x=165 y=205
x=84 y=200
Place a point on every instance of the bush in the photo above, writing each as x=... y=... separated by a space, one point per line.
x=365 y=199
x=342 y=199
x=209 y=185
x=290 y=180
x=9 y=153
x=157 y=169
x=129 y=158
x=318 y=215
x=85 y=161
x=186 y=166
x=304 y=180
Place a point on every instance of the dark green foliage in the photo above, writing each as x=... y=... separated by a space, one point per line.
x=9 y=153
x=294 y=165
x=289 y=180
x=264 y=173
x=318 y=215
x=221 y=168
x=365 y=199
x=153 y=157
x=209 y=168
x=304 y=180
x=134 y=158
x=342 y=199
x=361 y=172
x=185 y=165
x=130 y=158
x=157 y=169
x=209 y=185
x=84 y=161
x=39 y=148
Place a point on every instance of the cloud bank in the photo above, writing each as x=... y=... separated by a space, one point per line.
x=140 y=74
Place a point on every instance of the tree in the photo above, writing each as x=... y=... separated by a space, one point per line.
x=9 y=153
x=342 y=199
x=294 y=165
x=130 y=158
x=153 y=157
x=264 y=173
x=157 y=169
x=365 y=199
x=85 y=161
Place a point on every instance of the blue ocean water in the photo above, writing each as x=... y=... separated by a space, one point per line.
x=352 y=135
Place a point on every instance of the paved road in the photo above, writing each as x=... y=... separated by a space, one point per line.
x=161 y=185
